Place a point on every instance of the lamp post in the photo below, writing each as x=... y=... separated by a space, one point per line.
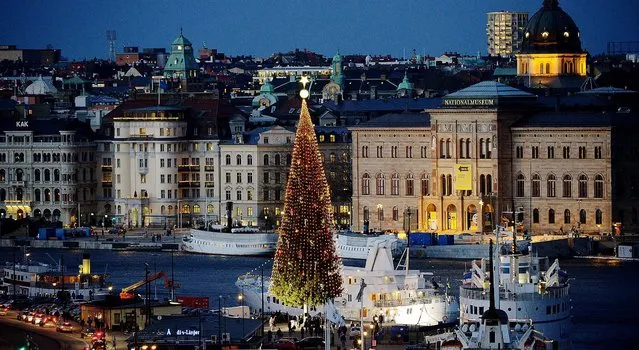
x=481 y=219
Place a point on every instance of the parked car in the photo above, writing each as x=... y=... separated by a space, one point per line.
x=65 y=327
x=4 y=311
x=310 y=343
x=282 y=344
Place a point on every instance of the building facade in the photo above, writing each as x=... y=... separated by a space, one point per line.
x=489 y=154
x=505 y=31
x=47 y=171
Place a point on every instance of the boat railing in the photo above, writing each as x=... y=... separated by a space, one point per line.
x=548 y=293
x=409 y=301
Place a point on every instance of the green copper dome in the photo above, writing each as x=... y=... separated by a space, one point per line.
x=337 y=57
x=267 y=88
x=551 y=30
x=405 y=84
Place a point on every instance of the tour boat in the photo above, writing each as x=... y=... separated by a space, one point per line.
x=32 y=278
x=400 y=295
x=530 y=289
x=351 y=245
x=244 y=241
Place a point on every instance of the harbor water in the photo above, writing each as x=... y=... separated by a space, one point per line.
x=603 y=292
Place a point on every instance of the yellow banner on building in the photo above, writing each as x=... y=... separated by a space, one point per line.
x=463 y=177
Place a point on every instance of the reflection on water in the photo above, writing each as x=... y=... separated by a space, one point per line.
x=603 y=291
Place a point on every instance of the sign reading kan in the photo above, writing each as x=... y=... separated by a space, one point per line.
x=22 y=124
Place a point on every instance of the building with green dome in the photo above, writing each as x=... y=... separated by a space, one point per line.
x=334 y=90
x=405 y=88
x=181 y=63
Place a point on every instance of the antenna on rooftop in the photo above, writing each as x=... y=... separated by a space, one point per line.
x=111 y=37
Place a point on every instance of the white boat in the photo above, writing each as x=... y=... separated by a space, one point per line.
x=32 y=278
x=530 y=289
x=352 y=245
x=245 y=241
x=493 y=328
x=401 y=295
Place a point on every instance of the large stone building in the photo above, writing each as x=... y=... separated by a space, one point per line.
x=492 y=152
x=505 y=31
x=47 y=170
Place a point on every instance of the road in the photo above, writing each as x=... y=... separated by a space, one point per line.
x=14 y=333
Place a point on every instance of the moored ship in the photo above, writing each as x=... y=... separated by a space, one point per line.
x=351 y=245
x=244 y=241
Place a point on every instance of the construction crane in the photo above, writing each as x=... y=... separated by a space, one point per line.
x=128 y=292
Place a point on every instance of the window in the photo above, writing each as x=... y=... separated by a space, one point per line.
x=364 y=151
x=535 y=152
x=238 y=160
x=249 y=178
x=410 y=185
x=520 y=152
x=597 y=152
x=366 y=184
x=520 y=185
x=395 y=214
x=380 y=213
x=380 y=151
x=536 y=185
x=277 y=159
x=582 y=152
x=239 y=195
x=332 y=157
x=566 y=216
x=448 y=149
x=266 y=177
x=249 y=160
x=393 y=151
x=442 y=148
x=551 y=216
x=424 y=152
x=425 y=189
x=409 y=151
x=598 y=217
x=227 y=178
x=567 y=187
x=599 y=188
x=266 y=195
x=266 y=159
x=366 y=214
x=380 y=184
x=162 y=179
x=583 y=186
x=227 y=159
x=551 y=152
x=566 y=152
x=551 y=186
x=249 y=195
x=227 y=195
x=582 y=216
x=535 y=216
x=395 y=185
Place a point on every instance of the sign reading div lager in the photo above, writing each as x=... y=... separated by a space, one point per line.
x=469 y=102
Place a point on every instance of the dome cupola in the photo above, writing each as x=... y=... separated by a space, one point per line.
x=551 y=30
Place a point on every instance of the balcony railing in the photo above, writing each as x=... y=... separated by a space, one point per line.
x=189 y=167
x=107 y=168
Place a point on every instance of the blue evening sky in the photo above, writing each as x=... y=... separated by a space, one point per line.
x=262 y=27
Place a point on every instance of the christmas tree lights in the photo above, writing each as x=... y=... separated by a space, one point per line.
x=306 y=269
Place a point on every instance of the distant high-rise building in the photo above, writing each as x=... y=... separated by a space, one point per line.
x=505 y=31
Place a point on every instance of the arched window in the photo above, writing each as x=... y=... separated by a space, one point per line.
x=196 y=209
x=228 y=159
x=380 y=184
x=482 y=184
x=395 y=214
x=449 y=185
x=410 y=185
x=582 y=216
x=598 y=217
x=583 y=186
x=238 y=159
x=425 y=185
x=599 y=186
x=551 y=216
x=170 y=210
x=535 y=216
x=47 y=195
x=249 y=160
x=277 y=159
x=547 y=68
x=489 y=184
x=482 y=149
x=19 y=193
x=119 y=210
x=551 y=186
x=37 y=195
x=163 y=210
x=442 y=185
x=47 y=175
x=536 y=185
x=366 y=184
x=3 y=175
x=520 y=185
x=288 y=159
x=442 y=148
x=332 y=157
x=19 y=175
x=468 y=152
x=56 y=195
x=449 y=150
x=56 y=175
x=541 y=68
x=395 y=185
x=266 y=159
x=462 y=148
x=36 y=175
x=380 y=213
x=366 y=214
x=209 y=209
x=186 y=209
x=566 y=216
x=567 y=187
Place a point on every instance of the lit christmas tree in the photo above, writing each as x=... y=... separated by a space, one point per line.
x=306 y=269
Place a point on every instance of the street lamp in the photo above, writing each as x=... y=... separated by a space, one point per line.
x=481 y=219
